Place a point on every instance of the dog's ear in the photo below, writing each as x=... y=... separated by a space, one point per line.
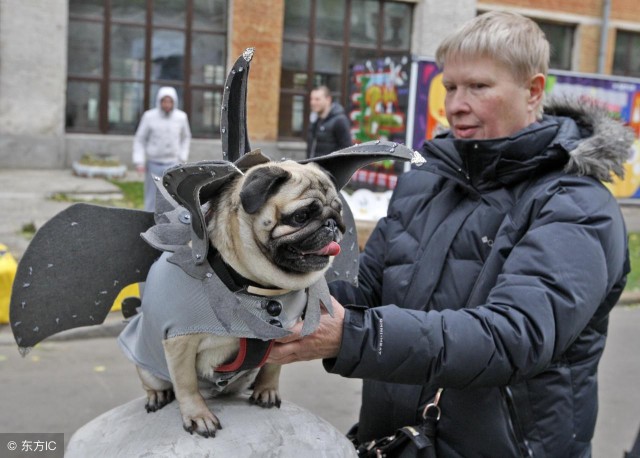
x=260 y=185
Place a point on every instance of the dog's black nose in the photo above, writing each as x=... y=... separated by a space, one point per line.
x=331 y=224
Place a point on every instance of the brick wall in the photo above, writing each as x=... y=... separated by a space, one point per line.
x=259 y=24
x=589 y=43
x=625 y=10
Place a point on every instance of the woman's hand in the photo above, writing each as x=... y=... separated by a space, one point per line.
x=323 y=343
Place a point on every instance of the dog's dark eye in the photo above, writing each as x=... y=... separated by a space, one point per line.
x=301 y=216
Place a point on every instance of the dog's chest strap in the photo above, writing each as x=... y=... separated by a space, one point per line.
x=252 y=354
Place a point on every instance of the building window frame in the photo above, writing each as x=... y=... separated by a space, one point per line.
x=561 y=37
x=102 y=14
x=625 y=55
x=343 y=46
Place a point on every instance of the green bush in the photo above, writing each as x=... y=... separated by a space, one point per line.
x=99 y=160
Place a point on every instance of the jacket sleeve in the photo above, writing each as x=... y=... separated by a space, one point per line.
x=569 y=262
x=140 y=141
x=185 y=140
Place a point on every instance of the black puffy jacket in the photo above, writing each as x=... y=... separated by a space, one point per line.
x=329 y=134
x=517 y=253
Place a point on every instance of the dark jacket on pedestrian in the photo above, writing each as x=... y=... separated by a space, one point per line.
x=329 y=134
x=517 y=253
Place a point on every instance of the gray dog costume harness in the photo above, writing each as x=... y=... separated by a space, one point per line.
x=175 y=304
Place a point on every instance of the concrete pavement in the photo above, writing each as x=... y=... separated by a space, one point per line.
x=65 y=382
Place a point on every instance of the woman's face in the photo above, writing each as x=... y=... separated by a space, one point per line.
x=484 y=99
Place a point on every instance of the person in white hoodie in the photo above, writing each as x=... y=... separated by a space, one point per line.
x=162 y=140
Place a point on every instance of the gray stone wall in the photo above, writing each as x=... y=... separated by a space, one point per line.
x=120 y=146
x=434 y=19
x=33 y=69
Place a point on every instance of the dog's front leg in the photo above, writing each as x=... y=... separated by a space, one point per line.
x=265 y=391
x=181 y=352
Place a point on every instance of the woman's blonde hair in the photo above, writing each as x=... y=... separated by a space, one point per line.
x=509 y=38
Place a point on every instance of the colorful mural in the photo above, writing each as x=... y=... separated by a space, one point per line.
x=620 y=96
x=379 y=99
x=379 y=104
x=429 y=104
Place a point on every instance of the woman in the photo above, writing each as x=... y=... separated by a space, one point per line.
x=493 y=274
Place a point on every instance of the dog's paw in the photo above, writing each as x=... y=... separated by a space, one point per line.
x=156 y=400
x=266 y=398
x=203 y=423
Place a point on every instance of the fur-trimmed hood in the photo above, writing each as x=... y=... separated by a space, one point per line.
x=606 y=143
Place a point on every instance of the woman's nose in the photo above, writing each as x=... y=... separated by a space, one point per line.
x=456 y=102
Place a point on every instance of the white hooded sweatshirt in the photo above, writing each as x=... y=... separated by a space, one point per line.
x=162 y=137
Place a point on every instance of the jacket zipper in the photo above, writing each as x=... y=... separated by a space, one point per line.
x=514 y=424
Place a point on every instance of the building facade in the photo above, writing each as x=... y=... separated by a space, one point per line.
x=76 y=75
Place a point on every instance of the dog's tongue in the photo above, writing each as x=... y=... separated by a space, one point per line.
x=332 y=249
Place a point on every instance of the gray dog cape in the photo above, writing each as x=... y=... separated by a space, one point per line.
x=174 y=304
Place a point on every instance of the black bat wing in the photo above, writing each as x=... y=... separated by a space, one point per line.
x=345 y=264
x=74 y=268
x=344 y=163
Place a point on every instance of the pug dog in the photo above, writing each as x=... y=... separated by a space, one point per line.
x=277 y=226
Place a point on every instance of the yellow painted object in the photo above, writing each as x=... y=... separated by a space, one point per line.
x=8 y=267
x=128 y=291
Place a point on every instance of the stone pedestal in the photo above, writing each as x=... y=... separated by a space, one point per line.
x=248 y=431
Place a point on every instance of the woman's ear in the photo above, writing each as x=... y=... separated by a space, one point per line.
x=536 y=91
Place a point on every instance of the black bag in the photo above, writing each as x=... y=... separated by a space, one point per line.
x=408 y=442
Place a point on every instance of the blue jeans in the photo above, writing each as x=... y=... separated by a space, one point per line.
x=154 y=169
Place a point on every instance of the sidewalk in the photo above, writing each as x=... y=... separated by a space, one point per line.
x=75 y=376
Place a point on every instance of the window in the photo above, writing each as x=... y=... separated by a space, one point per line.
x=560 y=37
x=321 y=40
x=120 y=52
x=626 y=58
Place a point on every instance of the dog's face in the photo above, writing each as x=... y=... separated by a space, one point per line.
x=279 y=224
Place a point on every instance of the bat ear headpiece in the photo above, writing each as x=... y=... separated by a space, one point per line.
x=233 y=121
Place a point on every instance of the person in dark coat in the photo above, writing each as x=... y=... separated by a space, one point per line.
x=493 y=275
x=330 y=130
